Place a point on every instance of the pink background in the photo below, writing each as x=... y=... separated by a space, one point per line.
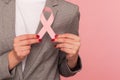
x=100 y=40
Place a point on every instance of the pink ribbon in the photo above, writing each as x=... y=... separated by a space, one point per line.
x=47 y=24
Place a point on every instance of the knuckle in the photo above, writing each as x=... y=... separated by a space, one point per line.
x=14 y=45
x=19 y=55
x=61 y=48
x=29 y=47
x=36 y=40
x=26 y=37
x=15 y=49
x=27 y=52
x=28 y=42
x=15 y=39
x=63 y=45
x=63 y=40
x=78 y=43
x=73 y=51
x=79 y=39
x=58 y=45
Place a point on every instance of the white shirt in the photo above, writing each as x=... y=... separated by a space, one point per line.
x=28 y=17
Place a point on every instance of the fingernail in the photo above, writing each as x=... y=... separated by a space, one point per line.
x=55 y=46
x=52 y=40
x=37 y=36
x=56 y=36
x=40 y=40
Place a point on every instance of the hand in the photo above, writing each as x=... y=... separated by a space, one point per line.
x=22 y=45
x=70 y=44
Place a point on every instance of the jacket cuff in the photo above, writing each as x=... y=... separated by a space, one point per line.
x=70 y=72
x=77 y=67
x=4 y=70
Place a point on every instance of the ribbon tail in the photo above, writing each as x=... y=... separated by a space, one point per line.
x=42 y=32
x=51 y=32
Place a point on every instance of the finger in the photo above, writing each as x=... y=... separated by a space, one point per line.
x=26 y=37
x=68 y=51
x=70 y=36
x=28 y=42
x=23 y=48
x=65 y=40
x=64 y=45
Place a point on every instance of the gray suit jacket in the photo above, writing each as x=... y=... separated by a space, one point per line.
x=45 y=62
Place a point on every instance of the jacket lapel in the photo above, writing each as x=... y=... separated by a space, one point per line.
x=33 y=56
x=6 y=1
x=8 y=19
x=9 y=26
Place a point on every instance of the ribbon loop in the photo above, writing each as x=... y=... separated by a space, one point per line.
x=47 y=23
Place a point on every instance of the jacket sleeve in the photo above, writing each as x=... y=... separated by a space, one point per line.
x=4 y=70
x=64 y=69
